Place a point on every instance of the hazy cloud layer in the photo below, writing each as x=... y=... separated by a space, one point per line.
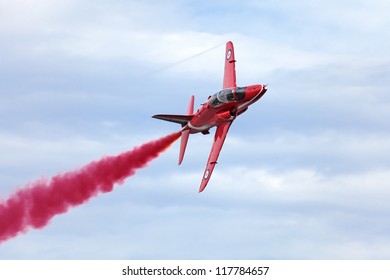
x=303 y=174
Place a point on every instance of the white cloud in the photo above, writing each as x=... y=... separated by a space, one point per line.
x=260 y=213
x=370 y=187
x=302 y=175
x=117 y=32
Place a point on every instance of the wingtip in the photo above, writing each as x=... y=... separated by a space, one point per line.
x=202 y=187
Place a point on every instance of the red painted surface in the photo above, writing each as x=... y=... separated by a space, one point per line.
x=219 y=110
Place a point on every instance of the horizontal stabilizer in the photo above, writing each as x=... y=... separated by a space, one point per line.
x=183 y=144
x=180 y=119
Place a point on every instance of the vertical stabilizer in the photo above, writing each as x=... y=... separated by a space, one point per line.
x=186 y=133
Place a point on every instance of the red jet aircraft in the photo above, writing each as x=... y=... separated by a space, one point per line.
x=219 y=110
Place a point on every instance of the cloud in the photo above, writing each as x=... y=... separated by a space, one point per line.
x=109 y=33
x=297 y=213
x=288 y=206
x=329 y=151
x=302 y=174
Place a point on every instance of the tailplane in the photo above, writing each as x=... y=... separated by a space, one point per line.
x=186 y=132
x=183 y=120
x=180 y=119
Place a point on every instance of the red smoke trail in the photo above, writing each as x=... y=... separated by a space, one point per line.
x=35 y=205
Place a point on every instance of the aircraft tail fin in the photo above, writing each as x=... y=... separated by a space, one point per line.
x=183 y=144
x=180 y=119
x=183 y=120
x=186 y=132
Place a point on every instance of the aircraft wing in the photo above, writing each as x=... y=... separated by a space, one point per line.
x=229 y=76
x=219 y=139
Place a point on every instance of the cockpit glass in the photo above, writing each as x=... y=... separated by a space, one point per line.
x=224 y=96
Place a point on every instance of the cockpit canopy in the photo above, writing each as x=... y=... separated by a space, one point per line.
x=226 y=96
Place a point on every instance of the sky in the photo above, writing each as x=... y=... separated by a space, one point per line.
x=303 y=174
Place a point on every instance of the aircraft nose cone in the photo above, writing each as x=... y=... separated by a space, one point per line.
x=255 y=91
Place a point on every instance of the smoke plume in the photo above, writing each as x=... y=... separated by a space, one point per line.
x=34 y=205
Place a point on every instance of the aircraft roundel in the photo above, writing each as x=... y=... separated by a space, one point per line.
x=206 y=174
x=228 y=54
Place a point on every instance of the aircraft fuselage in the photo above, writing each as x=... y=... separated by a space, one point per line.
x=219 y=110
x=224 y=106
